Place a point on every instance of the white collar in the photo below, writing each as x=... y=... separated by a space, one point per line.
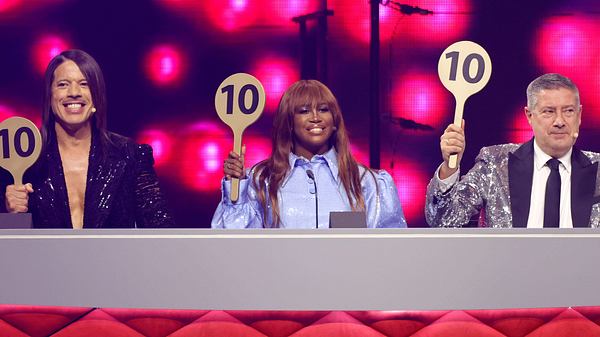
x=329 y=157
x=540 y=158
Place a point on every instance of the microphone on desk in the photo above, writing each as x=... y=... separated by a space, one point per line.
x=311 y=176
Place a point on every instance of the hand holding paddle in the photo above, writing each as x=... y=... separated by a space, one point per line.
x=20 y=147
x=464 y=69
x=239 y=101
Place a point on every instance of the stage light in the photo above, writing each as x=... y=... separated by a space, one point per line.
x=569 y=45
x=160 y=142
x=46 y=48
x=6 y=5
x=276 y=74
x=164 y=65
x=411 y=182
x=419 y=96
x=231 y=15
x=6 y=112
x=203 y=148
x=520 y=130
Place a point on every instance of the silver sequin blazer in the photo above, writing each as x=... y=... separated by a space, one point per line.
x=499 y=186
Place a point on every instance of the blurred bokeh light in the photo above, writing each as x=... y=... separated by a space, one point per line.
x=276 y=74
x=161 y=144
x=419 y=96
x=46 y=48
x=569 y=45
x=165 y=65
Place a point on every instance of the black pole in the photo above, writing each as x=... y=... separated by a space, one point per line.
x=374 y=138
x=322 y=45
x=304 y=68
x=313 y=44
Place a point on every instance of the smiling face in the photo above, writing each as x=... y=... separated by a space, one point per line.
x=313 y=128
x=71 y=97
x=555 y=120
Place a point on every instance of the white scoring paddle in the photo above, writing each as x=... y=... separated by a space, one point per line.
x=20 y=146
x=239 y=101
x=464 y=69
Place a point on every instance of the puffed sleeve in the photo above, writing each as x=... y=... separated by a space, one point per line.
x=151 y=206
x=381 y=200
x=246 y=212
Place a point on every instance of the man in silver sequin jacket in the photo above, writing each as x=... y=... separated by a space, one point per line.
x=508 y=181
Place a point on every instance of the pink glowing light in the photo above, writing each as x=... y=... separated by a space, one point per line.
x=232 y=15
x=419 y=96
x=165 y=65
x=276 y=74
x=201 y=151
x=6 y=5
x=45 y=49
x=160 y=142
x=6 y=112
x=569 y=45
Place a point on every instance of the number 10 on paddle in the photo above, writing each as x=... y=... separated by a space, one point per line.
x=239 y=101
x=20 y=146
x=464 y=69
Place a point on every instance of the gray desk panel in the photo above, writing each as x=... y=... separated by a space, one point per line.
x=366 y=269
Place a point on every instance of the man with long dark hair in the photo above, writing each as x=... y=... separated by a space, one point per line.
x=86 y=176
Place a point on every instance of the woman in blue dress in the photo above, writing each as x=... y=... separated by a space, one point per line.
x=310 y=159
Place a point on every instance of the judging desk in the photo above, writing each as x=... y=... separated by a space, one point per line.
x=360 y=269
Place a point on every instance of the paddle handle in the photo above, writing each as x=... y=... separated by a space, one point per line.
x=17 y=177
x=458 y=116
x=237 y=148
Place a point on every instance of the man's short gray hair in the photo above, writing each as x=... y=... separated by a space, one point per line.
x=549 y=82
